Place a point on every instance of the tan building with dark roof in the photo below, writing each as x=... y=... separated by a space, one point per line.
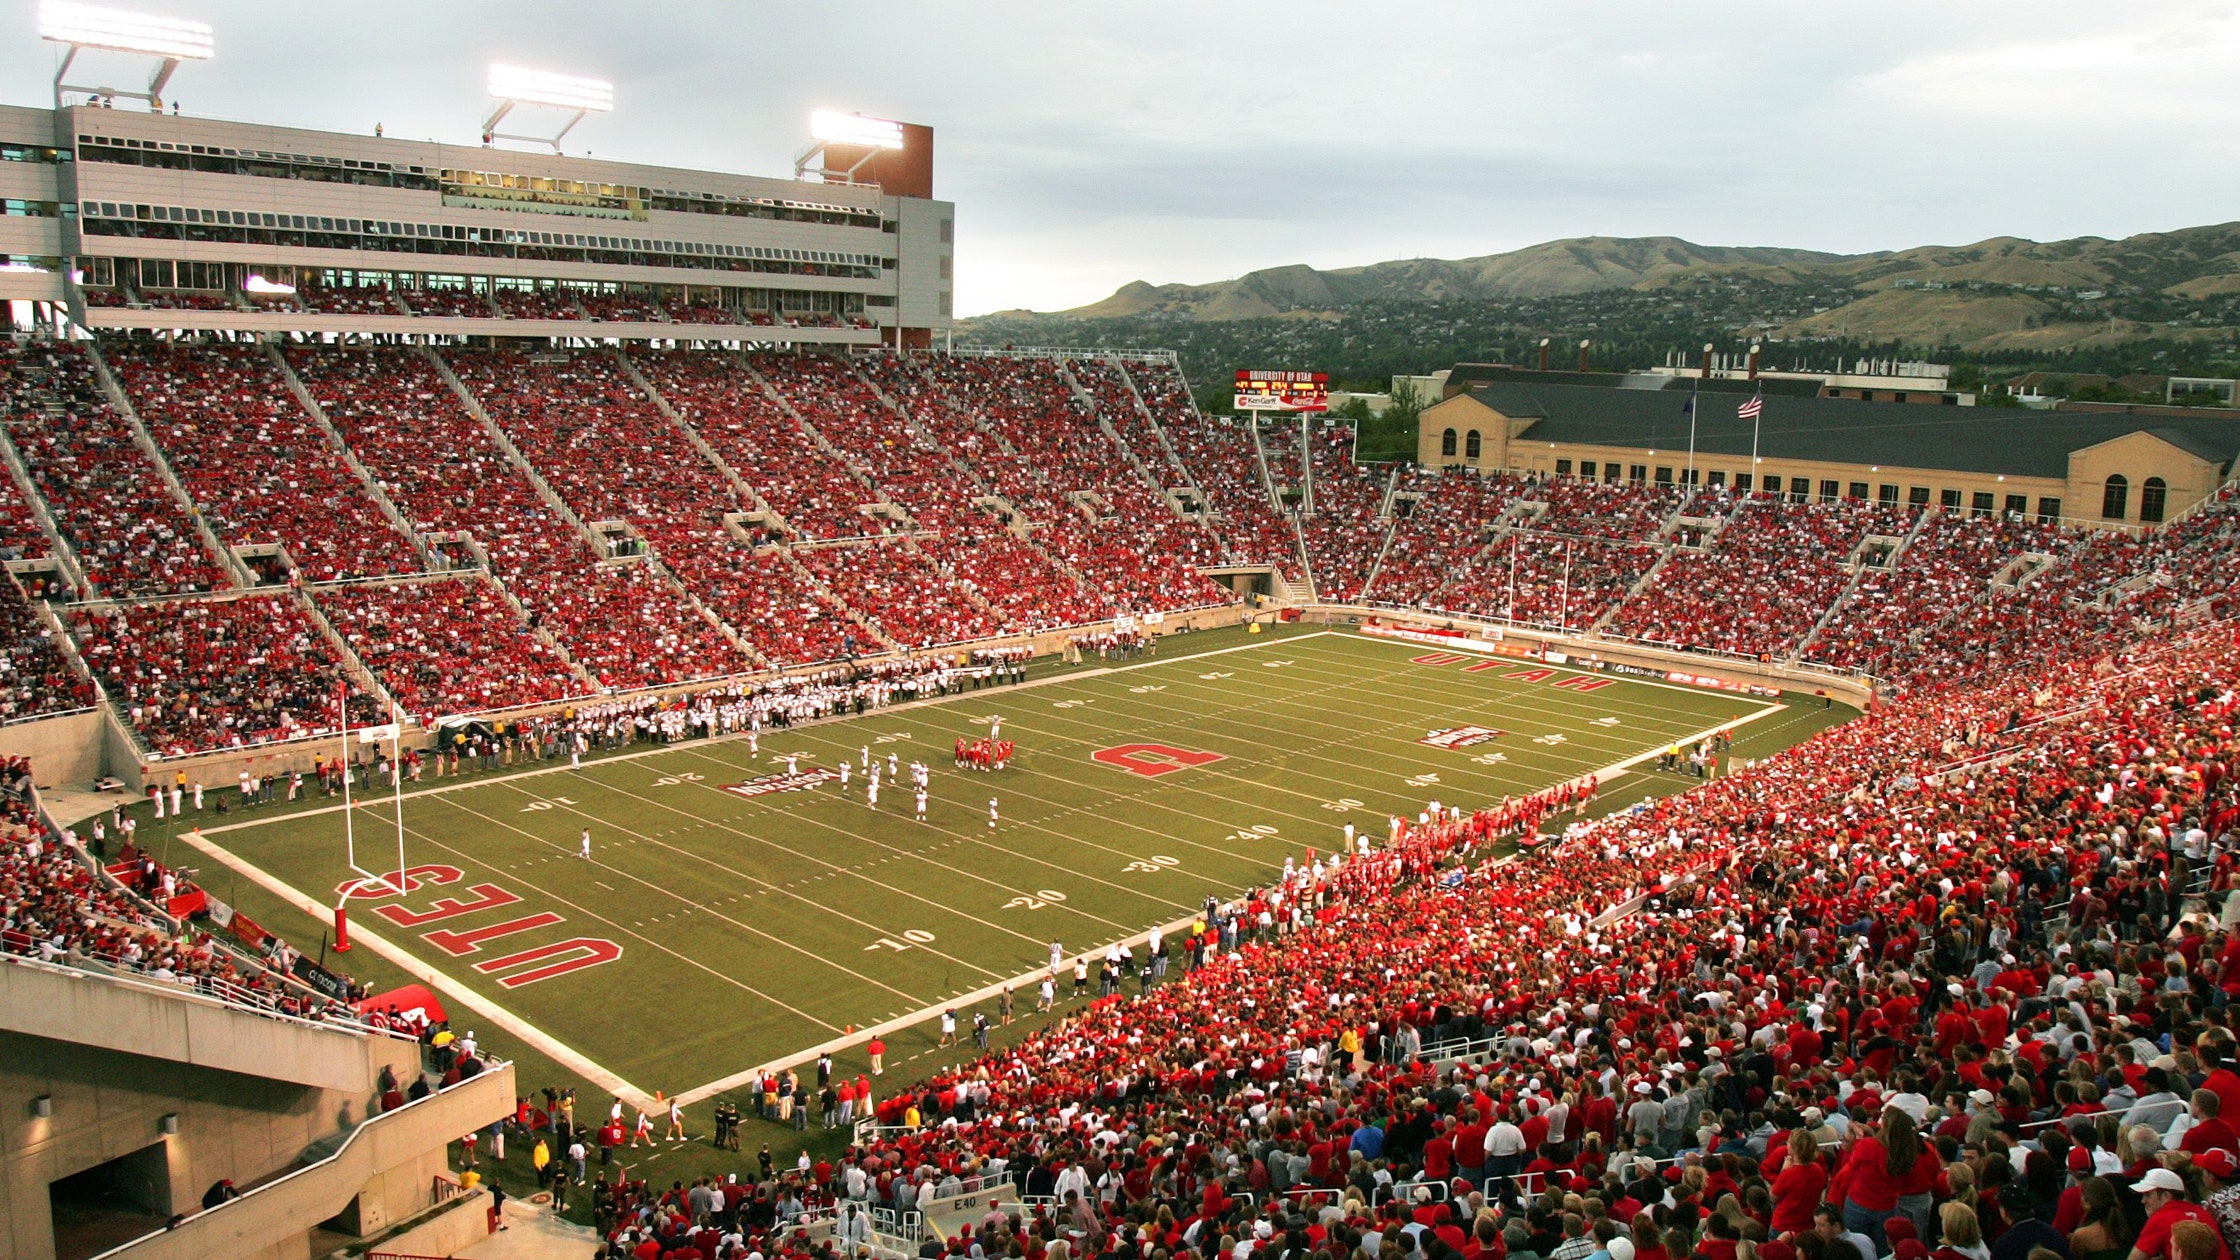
x=2090 y=468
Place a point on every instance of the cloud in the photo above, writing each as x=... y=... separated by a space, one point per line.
x=1087 y=146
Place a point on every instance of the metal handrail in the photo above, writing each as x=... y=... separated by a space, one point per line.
x=210 y=988
x=356 y=1131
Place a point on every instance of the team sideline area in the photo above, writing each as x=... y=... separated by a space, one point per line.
x=745 y=880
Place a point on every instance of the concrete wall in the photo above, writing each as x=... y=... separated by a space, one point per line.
x=138 y=1017
x=1583 y=650
x=384 y=1173
x=73 y=749
x=113 y=1058
x=460 y=1225
x=108 y=1104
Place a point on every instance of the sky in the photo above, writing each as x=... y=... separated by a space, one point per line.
x=1089 y=145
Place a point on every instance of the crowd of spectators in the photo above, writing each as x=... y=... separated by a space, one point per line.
x=1225 y=465
x=1018 y=426
x=537 y=304
x=184 y=300
x=1761 y=583
x=624 y=624
x=359 y=299
x=1947 y=564
x=447 y=647
x=1545 y=579
x=1830 y=1005
x=1345 y=533
x=901 y=593
x=195 y=675
x=36 y=676
x=1033 y=492
x=753 y=432
x=698 y=311
x=104 y=491
x=612 y=456
x=1441 y=518
x=1124 y=395
x=449 y=303
x=758 y=436
x=260 y=467
x=65 y=899
x=621 y=308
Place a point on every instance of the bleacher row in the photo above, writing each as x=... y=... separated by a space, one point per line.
x=236 y=535
x=557 y=302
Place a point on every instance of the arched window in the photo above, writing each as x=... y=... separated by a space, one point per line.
x=2154 y=496
x=1446 y=443
x=1471 y=446
x=2116 y=498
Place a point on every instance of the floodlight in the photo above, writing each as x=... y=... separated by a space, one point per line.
x=834 y=127
x=539 y=87
x=512 y=86
x=85 y=26
x=270 y=288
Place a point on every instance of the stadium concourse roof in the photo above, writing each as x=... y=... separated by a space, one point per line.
x=1841 y=430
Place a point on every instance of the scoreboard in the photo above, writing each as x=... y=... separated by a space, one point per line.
x=1262 y=390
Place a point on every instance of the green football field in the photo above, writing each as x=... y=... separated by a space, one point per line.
x=711 y=931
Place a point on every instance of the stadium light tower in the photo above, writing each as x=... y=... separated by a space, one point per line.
x=858 y=138
x=79 y=27
x=512 y=85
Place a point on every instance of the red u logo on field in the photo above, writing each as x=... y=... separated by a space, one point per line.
x=1153 y=760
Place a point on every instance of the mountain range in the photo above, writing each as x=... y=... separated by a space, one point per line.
x=2005 y=292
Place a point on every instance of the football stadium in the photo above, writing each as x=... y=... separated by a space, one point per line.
x=556 y=706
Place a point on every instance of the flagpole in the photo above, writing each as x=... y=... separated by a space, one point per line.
x=1695 y=408
x=1757 y=419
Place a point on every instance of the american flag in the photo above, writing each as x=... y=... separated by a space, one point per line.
x=1750 y=410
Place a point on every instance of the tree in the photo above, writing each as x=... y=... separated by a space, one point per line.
x=1393 y=434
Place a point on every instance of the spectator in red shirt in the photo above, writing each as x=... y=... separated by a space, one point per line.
x=2163 y=1194
x=1803 y=1183
x=2210 y=1130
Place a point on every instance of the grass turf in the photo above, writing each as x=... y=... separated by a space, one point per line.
x=751 y=928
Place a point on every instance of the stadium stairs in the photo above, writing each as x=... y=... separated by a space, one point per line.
x=177 y=1090
x=372 y=484
x=113 y=389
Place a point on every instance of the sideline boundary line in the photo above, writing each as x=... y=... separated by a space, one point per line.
x=574 y=1060
x=1032 y=978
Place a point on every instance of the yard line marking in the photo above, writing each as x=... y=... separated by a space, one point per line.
x=568 y=1057
x=863 y=839
x=1523 y=777
x=534 y=838
x=1029 y=979
x=462 y=784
